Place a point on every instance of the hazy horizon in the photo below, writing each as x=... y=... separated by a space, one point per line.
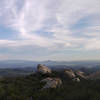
x=59 y=30
x=18 y=60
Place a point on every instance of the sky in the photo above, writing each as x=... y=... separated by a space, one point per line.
x=50 y=30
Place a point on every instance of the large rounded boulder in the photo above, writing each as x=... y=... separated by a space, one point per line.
x=51 y=83
x=80 y=74
x=43 y=69
x=70 y=73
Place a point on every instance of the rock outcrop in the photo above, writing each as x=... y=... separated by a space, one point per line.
x=51 y=83
x=70 y=73
x=46 y=79
x=80 y=74
x=75 y=74
x=43 y=69
x=56 y=82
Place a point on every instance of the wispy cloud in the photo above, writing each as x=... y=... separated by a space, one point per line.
x=70 y=24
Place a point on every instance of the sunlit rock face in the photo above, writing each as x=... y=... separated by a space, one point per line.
x=70 y=73
x=51 y=83
x=47 y=79
x=58 y=80
x=80 y=74
x=43 y=69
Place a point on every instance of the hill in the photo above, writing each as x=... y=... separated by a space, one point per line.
x=29 y=88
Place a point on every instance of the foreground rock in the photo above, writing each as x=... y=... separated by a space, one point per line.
x=75 y=75
x=43 y=69
x=70 y=73
x=76 y=79
x=51 y=83
x=80 y=74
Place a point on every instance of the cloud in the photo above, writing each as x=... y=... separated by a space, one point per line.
x=25 y=20
x=54 y=17
x=73 y=12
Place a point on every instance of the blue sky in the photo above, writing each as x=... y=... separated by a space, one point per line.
x=50 y=30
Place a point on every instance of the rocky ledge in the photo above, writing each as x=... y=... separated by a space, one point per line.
x=54 y=82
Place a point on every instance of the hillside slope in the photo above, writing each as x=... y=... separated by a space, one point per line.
x=29 y=88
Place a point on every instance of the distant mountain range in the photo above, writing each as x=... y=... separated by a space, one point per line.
x=22 y=67
x=25 y=63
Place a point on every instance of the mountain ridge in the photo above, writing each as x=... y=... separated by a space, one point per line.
x=26 y=63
